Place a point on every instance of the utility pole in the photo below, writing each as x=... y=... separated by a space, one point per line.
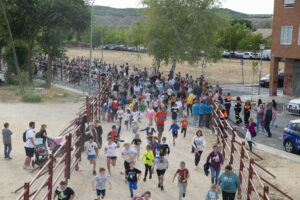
x=102 y=45
x=91 y=51
x=262 y=47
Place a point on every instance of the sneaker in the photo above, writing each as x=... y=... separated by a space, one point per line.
x=150 y=177
x=161 y=187
x=24 y=166
x=145 y=179
x=9 y=158
x=94 y=173
x=131 y=195
x=183 y=195
x=29 y=168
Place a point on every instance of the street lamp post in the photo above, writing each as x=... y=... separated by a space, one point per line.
x=91 y=50
x=262 y=47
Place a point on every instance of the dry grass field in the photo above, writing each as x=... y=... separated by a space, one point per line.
x=223 y=72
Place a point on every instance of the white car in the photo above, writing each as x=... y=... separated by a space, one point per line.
x=247 y=55
x=293 y=107
x=2 y=78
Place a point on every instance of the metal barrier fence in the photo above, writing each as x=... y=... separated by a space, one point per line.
x=61 y=164
x=253 y=185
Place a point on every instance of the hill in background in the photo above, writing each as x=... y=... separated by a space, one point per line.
x=117 y=17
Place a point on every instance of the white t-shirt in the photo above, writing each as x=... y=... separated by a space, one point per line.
x=148 y=96
x=199 y=142
x=170 y=91
x=90 y=147
x=111 y=150
x=179 y=104
x=29 y=134
x=135 y=115
x=120 y=113
x=127 y=116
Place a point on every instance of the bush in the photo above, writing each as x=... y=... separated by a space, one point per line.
x=65 y=94
x=31 y=98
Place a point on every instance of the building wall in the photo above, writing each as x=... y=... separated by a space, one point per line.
x=288 y=77
x=286 y=17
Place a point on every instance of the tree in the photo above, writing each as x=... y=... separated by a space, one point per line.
x=230 y=36
x=136 y=34
x=183 y=29
x=57 y=18
x=245 y=22
x=13 y=48
x=251 y=42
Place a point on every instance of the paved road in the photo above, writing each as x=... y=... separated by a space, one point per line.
x=283 y=117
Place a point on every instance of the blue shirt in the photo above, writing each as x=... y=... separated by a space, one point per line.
x=229 y=183
x=195 y=109
x=174 y=127
x=202 y=109
x=210 y=195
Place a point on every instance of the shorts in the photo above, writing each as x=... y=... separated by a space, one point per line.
x=29 y=152
x=91 y=157
x=126 y=165
x=160 y=128
x=160 y=172
x=175 y=133
x=100 y=193
x=112 y=157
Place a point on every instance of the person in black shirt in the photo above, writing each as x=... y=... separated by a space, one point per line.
x=137 y=142
x=42 y=133
x=133 y=175
x=164 y=147
x=63 y=192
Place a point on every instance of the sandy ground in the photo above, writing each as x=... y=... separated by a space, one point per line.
x=58 y=115
x=224 y=71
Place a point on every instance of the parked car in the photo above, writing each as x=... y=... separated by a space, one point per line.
x=291 y=136
x=247 y=55
x=131 y=48
x=265 y=81
x=2 y=78
x=266 y=55
x=293 y=107
x=225 y=54
x=256 y=56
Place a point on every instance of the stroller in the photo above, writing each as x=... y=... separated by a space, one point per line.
x=54 y=144
x=41 y=153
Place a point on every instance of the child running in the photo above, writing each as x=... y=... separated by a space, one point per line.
x=129 y=155
x=150 y=130
x=162 y=165
x=164 y=147
x=91 y=150
x=148 y=158
x=184 y=124
x=183 y=176
x=174 y=127
x=111 y=154
x=133 y=175
x=127 y=117
x=212 y=194
x=100 y=181
x=135 y=128
x=198 y=143
x=137 y=143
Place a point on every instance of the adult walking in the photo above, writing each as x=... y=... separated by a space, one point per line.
x=195 y=113
x=259 y=117
x=29 y=145
x=6 y=134
x=247 y=112
x=198 y=143
x=229 y=183
x=237 y=110
x=216 y=160
x=227 y=103
x=268 y=119
x=160 y=117
x=190 y=101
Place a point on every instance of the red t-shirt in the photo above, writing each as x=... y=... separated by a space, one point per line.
x=182 y=174
x=161 y=117
x=115 y=104
x=184 y=123
x=112 y=134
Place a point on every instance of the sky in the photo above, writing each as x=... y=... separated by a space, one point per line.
x=245 y=6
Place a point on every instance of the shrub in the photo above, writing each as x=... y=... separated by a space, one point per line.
x=31 y=98
x=65 y=94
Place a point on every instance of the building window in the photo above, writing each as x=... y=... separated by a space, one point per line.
x=289 y=3
x=286 y=35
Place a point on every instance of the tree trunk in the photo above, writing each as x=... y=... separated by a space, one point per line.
x=13 y=48
x=29 y=67
x=173 y=66
x=49 y=71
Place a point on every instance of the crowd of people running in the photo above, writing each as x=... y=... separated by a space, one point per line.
x=139 y=96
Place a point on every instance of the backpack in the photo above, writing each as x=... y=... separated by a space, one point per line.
x=24 y=136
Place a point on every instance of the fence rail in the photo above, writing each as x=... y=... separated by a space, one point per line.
x=253 y=185
x=61 y=164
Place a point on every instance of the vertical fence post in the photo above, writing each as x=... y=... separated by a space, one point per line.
x=78 y=146
x=212 y=122
x=87 y=105
x=99 y=105
x=26 y=189
x=61 y=73
x=68 y=156
x=241 y=162
x=50 y=177
x=250 y=177
x=266 y=192
x=232 y=148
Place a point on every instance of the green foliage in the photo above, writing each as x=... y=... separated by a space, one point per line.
x=108 y=11
x=230 y=36
x=245 y=22
x=21 y=49
x=136 y=34
x=31 y=98
x=251 y=42
x=178 y=31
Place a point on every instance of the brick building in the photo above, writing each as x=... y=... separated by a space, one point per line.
x=286 y=44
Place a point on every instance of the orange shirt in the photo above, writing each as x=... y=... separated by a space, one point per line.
x=184 y=123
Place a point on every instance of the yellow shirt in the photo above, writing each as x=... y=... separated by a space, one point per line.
x=148 y=158
x=190 y=99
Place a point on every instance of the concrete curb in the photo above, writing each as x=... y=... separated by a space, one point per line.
x=280 y=153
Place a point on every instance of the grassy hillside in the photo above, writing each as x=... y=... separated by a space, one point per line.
x=117 y=17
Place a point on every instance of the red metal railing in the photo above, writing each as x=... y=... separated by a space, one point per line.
x=253 y=185
x=60 y=167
